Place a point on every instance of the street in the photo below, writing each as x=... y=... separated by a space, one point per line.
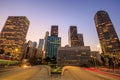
x=32 y=73
x=77 y=73
x=41 y=72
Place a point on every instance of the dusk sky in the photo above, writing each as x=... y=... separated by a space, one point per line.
x=44 y=13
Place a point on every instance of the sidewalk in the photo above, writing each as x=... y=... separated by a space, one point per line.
x=106 y=71
x=111 y=71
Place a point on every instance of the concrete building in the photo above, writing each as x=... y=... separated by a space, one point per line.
x=41 y=44
x=13 y=34
x=54 y=30
x=35 y=44
x=73 y=37
x=80 y=39
x=45 y=44
x=73 y=56
x=108 y=38
x=30 y=50
x=30 y=43
x=39 y=54
x=96 y=54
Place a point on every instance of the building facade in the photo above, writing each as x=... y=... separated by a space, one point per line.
x=41 y=43
x=35 y=44
x=73 y=56
x=13 y=34
x=108 y=38
x=53 y=43
x=73 y=37
x=45 y=41
x=30 y=43
x=44 y=46
x=30 y=51
x=80 y=39
x=96 y=55
x=54 y=30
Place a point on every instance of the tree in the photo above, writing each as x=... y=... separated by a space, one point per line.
x=47 y=59
x=2 y=51
x=110 y=62
x=8 y=53
x=103 y=60
x=33 y=61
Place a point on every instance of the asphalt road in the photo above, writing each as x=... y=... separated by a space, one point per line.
x=77 y=73
x=42 y=72
x=31 y=73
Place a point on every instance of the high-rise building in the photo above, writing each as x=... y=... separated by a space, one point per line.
x=80 y=39
x=52 y=46
x=34 y=44
x=52 y=43
x=73 y=37
x=46 y=35
x=45 y=41
x=54 y=30
x=13 y=34
x=108 y=38
x=41 y=42
x=44 y=46
x=30 y=43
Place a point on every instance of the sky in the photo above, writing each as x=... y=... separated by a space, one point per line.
x=64 y=13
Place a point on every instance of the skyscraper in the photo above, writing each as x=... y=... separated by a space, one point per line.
x=52 y=46
x=80 y=39
x=45 y=45
x=41 y=42
x=13 y=34
x=45 y=41
x=107 y=35
x=54 y=30
x=34 y=44
x=52 y=43
x=73 y=37
x=30 y=43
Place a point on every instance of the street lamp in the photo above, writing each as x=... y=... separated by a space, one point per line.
x=16 y=52
x=16 y=49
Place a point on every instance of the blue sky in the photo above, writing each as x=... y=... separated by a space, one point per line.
x=44 y=13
